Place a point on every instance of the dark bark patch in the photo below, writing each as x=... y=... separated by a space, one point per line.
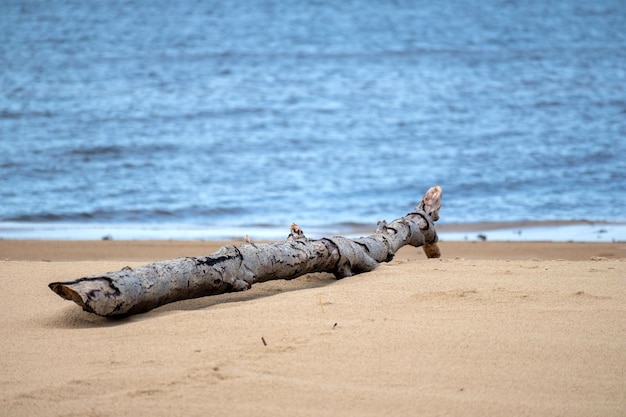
x=210 y=261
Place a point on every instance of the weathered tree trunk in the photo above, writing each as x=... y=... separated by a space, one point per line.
x=231 y=268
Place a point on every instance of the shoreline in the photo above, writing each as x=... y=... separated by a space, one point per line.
x=549 y=230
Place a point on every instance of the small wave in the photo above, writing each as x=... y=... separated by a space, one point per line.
x=131 y=215
x=115 y=151
x=9 y=114
x=96 y=215
x=48 y=217
x=106 y=150
x=548 y=103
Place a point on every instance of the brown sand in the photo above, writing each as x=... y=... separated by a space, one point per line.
x=491 y=329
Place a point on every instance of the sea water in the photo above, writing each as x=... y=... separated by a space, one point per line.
x=208 y=119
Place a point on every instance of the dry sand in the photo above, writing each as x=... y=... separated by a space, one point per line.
x=491 y=329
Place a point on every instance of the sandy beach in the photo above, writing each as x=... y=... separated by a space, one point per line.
x=490 y=329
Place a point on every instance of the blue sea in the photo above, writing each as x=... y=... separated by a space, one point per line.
x=212 y=119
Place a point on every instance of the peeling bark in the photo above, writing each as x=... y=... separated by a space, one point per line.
x=132 y=291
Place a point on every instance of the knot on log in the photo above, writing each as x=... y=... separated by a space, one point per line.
x=296 y=232
x=354 y=257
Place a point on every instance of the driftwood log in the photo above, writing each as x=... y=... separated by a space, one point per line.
x=231 y=268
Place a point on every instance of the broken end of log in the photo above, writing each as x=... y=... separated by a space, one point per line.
x=64 y=291
x=431 y=203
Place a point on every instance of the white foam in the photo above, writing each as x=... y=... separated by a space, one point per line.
x=605 y=232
